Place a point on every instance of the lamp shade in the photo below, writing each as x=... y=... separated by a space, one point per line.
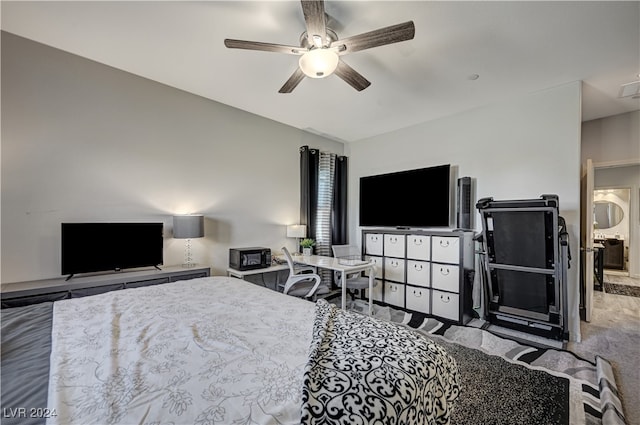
x=188 y=226
x=297 y=231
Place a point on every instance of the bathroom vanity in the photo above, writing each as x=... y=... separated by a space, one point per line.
x=613 y=253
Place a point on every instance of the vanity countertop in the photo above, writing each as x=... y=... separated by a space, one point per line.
x=599 y=237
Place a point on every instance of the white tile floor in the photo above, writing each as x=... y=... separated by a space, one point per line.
x=619 y=278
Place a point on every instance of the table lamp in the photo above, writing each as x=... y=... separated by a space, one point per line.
x=297 y=231
x=188 y=227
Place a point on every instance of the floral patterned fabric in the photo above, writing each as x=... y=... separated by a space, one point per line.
x=205 y=351
x=365 y=371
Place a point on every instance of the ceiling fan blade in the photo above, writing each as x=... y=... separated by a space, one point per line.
x=379 y=37
x=351 y=76
x=265 y=47
x=315 y=19
x=292 y=82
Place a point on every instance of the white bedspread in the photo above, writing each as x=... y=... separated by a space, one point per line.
x=204 y=351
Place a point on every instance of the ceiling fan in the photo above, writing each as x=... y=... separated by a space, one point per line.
x=320 y=48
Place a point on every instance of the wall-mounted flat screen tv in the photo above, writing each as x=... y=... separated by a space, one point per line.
x=413 y=198
x=97 y=247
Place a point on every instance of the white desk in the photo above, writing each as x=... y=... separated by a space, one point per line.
x=332 y=263
x=320 y=261
x=240 y=274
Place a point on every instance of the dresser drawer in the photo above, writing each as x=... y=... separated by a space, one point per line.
x=445 y=277
x=149 y=282
x=418 y=299
x=378 y=261
x=394 y=269
x=394 y=294
x=419 y=247
x=445 y=249
x=189 y=276
x=445 y=304
x=373 y=244
x=394 y=245
x=418 y=273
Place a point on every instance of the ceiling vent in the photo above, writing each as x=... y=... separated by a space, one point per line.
x=629 y=89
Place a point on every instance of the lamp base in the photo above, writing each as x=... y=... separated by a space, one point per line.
x=187 y=255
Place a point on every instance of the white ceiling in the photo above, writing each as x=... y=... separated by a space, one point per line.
x=516 y=47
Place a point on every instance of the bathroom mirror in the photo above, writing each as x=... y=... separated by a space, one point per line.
x=607 y=214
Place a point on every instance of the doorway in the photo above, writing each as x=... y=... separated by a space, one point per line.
x=611 y=230
x=617 y=198
x=608 y=176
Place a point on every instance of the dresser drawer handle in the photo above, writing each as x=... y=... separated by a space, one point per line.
x=445 y=298
x=417 y=241
x=444 y=244
x=394 y=263
x=417 y=293
x=418 y=267
x=445 y=271
x=393 y=288
x=393 y=239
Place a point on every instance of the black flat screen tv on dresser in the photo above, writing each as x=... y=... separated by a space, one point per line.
x=412 y=198
x=98 y=247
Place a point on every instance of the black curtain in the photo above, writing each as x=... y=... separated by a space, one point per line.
x=309 y=175
x=339 y=231
x=309 y=161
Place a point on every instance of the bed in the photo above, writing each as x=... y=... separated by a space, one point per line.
x=216 y=350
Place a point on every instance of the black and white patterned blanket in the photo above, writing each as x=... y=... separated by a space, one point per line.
x=365 y=371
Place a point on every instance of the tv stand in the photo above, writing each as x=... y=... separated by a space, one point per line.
x=19 y=294
x=118 y=270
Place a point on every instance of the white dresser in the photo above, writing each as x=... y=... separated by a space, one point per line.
x=424 y=271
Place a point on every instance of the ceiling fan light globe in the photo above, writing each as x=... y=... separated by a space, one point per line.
x=319 y=63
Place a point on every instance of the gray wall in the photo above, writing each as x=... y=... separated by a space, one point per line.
x=85 y=142
x=612 y=139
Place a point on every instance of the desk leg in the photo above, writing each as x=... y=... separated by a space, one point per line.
x=343 y=279
x=372 y=272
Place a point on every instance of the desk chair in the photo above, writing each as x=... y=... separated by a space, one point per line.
x=300 y=283
x=355 y=281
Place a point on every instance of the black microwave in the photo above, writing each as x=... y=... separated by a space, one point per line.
x=249 y=258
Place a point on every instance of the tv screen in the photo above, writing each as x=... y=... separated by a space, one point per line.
x=413 y=198
x=96 y=247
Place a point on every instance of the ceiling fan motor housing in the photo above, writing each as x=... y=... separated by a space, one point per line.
x=304 y=39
